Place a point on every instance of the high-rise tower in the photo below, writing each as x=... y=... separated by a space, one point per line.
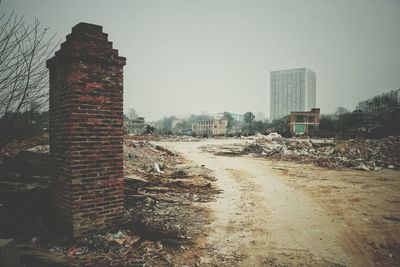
x=292 y=90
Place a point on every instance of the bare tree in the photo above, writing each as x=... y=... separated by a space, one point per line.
x=132 y=114
x=249 y=117
x=24 y=48
x=340 y=112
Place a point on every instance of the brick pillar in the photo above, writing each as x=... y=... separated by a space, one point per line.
x=86 y=131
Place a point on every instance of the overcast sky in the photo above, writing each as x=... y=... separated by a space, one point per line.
x=212 y=56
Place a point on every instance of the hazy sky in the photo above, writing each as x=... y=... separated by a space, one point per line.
x=191 y=56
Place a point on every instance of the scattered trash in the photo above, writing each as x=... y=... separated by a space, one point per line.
x=76 y=251
x=121 y=238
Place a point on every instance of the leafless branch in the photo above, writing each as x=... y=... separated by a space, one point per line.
x=24 y=48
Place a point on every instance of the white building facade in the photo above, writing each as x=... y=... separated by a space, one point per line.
x=291 y=90
x=210 y=128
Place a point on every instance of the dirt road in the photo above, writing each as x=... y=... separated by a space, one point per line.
x=263 y=219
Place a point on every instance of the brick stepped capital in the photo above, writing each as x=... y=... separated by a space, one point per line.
x=87 y=43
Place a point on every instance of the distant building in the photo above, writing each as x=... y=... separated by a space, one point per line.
x=365 y=105
x=136 y=126
x=301 y=122
x=291 y=90
x=187 y=131
x=210 y=128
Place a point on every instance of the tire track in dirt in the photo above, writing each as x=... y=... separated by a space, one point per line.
x=261 y=221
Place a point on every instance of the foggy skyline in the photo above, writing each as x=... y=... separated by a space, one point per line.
x=194 y=56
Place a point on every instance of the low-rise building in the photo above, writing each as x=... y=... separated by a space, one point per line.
x=210 y=128
x=302 y=122
x=136 y=126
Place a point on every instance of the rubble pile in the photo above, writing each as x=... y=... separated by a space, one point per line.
x=122 y=248
x=149 y=137
x=167 y=218
x=13 y=148
x=361 y=154
x=181 y=138
x=162 y=218
x=142 y=157
x=160 y=198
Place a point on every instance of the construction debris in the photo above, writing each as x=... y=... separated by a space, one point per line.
x=122 y=248
x=17 y=146
x=360 y=154
x=181 y=138
x=163 y=192
x=162 y=220
x=159 y=202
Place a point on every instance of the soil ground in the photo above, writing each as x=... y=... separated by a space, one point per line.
x=275 y=213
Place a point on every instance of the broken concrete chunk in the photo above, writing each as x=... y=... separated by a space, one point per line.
x=157 y=167
x=362 y=167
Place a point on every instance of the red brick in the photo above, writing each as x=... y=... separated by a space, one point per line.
x=86 y=107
